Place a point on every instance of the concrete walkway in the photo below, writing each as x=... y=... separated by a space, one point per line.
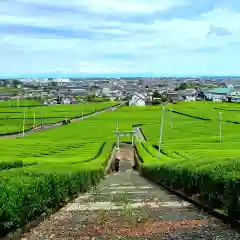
x=127 y=205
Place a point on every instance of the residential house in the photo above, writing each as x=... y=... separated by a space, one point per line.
x=188 y=95
x=80 y=92
x=106 y=91
x=173 y=96
x=138 y=99
x=50 y=102
x=235 y=94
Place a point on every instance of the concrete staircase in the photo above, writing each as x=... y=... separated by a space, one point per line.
x=127 y=206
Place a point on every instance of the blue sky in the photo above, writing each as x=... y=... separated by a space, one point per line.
x=119 y=37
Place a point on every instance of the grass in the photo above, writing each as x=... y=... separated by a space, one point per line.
x=130 y=216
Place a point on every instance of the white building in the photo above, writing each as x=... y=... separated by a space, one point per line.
x=218 y=94
x=138 y=99
x=235 y=94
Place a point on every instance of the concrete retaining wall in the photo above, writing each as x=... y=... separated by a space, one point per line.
x=111 y=162
x=137 y=161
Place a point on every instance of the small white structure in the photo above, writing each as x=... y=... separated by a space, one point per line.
x=52 y=102
x=66 y=101
x=138 y=99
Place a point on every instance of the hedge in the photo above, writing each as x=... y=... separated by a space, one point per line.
x=216 y=183
x=27 y=192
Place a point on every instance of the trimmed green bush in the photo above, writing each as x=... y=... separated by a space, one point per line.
x=215 y=184
x=29 y=191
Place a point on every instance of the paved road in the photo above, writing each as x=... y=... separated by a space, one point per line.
x=49 y=126
x=127 y=205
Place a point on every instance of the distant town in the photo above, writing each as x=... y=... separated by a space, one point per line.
x=135 y=91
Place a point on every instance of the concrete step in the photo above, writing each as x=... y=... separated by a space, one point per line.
x=127 y=205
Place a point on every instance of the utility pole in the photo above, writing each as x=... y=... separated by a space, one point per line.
x=171 y=118
x=42 y=120
x=220 y=126
x=82 y=113
x=34 y=120
x=118 y=137
x=161 y=132
x=24 y=119
x=25 y=101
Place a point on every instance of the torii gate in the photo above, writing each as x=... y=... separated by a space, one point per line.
x=118 y=134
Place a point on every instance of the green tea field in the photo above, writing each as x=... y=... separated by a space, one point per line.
x=12 y=118
x=43 y=169
x=192 y=157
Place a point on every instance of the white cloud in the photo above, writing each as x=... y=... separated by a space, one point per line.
x=224 y=18
x=122 y=6
x=163 y=45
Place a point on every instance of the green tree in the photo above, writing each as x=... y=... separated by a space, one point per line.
x=16 y=82
x=182 y=86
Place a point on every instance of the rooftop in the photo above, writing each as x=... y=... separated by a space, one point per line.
x=219 y=90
